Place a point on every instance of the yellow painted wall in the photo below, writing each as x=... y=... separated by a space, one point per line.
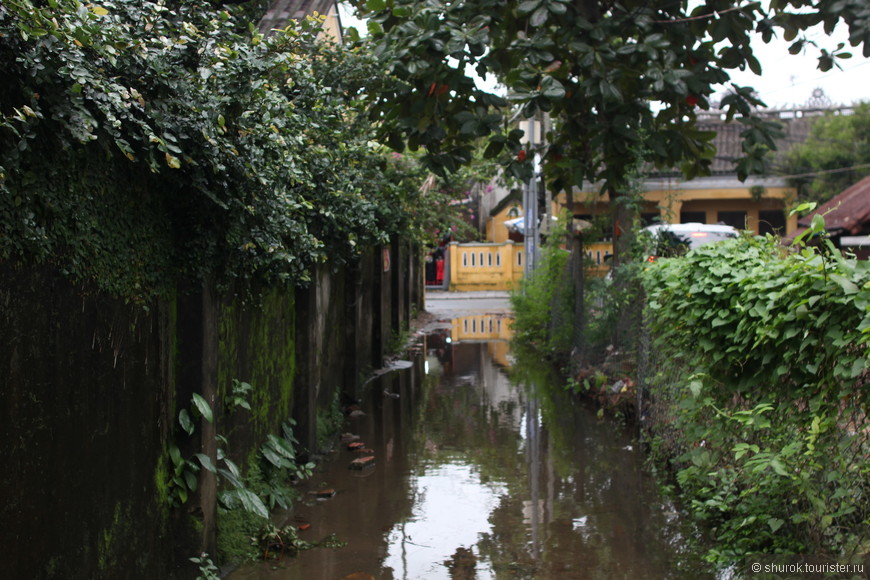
x=598 y=252
x=483 y=266
x=496 y=231
x=332 y=25
x=481 y=327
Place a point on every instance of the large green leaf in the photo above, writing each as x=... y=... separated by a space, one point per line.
x=203 y=407
x=186 y=423
x=251 y=502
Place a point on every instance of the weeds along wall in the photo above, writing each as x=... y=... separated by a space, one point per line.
x=91 y=389
x=756 y=378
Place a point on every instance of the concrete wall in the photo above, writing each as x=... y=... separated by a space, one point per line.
x=482 y=266
x=91 y=388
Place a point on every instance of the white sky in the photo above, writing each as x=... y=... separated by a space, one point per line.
x=788 y=80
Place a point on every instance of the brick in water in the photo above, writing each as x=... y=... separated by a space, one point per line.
x=363 y=462
x=356 y=445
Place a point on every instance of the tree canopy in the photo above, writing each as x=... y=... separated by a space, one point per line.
x=835 y=156
x=621 y=80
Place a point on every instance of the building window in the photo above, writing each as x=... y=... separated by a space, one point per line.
x=771 y=222
x=693 y=217
x=519 y=258
x=736 y=219
x=513 y=212
x=473 y=257
x=498 y=260
x=648 y=219
x=489 y=259
x=464 y=259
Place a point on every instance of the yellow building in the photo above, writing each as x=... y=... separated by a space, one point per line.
x=484 y=266
x=759 y=205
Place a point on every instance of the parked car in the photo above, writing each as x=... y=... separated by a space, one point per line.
x=677 y=239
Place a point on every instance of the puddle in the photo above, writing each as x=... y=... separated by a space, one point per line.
x=484 y=472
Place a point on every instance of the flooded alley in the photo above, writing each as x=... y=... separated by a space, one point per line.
x=484 y=469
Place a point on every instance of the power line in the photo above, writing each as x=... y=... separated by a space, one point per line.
x=827 y=171
x=701 y=16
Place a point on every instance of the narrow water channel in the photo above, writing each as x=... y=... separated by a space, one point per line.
x=484 y=470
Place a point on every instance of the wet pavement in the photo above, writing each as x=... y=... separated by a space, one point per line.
x=484 y=469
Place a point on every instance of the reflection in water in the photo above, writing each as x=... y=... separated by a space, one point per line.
x=484 y=475
x=450 y=512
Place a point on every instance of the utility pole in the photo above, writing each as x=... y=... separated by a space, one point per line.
x=530 y=207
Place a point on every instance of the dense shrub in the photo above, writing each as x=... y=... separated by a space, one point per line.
x=760 y=393
x=543 y=304
x=146 y=142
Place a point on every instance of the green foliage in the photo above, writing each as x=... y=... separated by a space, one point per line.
x=184 y=478
x=235 y=528
x=238 y=396
x=142 y=144
x=593 y=66
x=543 y=304
x=835 y=156
x=329 y=423
x=281 y=467
x=207 y=569
x=244 y=530
x=434 y=206
x=264 y=487
x=763 y=365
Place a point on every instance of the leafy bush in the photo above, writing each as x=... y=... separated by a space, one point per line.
x=146 y=142
x=761 y=394
x=543 y=304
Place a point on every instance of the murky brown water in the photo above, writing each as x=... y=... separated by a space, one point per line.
x=485 y=473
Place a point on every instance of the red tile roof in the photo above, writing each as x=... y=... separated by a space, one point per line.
x=795 y=124
x=847 y=213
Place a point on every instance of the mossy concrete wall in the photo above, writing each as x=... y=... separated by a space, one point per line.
x=87 y=390
x=91 y=387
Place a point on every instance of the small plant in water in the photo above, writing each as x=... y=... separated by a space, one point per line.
x=273 y=541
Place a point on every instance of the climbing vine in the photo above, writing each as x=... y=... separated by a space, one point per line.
x=146 y=142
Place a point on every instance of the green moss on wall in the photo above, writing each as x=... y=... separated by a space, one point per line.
x=257 y=345
x=112 y=538
x=161 y=484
